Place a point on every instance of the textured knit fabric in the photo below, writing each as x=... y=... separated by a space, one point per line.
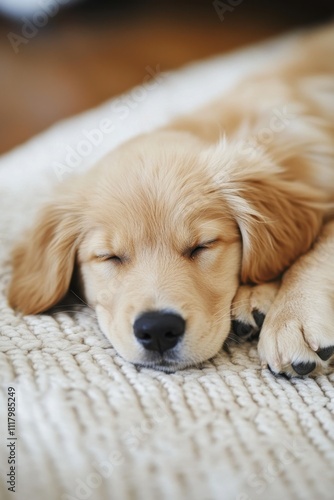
x=92 y=426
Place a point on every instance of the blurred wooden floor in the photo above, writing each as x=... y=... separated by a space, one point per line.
x=74 y=64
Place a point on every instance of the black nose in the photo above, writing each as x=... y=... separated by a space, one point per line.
x=158 y=331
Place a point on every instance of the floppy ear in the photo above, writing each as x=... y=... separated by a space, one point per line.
x=278 y=218
x=278 y=222
x=43 y=263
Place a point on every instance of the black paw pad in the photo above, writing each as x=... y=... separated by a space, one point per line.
x=258 y=317
x=325 y=352
x=304 y=368
x=241 y=329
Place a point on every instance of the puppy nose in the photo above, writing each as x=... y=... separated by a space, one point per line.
x=158 y=331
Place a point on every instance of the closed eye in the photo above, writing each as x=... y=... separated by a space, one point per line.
x=109 y=257
x=195 y=251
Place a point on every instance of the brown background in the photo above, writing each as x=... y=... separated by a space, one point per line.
x=98 y=49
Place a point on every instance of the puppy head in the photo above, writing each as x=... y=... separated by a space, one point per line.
x=161 y=260
x=161 y=241
x=150 y=233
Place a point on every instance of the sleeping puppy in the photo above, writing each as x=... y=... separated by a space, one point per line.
x=225 y=214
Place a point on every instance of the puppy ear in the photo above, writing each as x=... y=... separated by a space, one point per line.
x=278 y=218
x=43 y=263
x=278 y=222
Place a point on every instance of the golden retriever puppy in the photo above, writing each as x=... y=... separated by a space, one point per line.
x=167 y=227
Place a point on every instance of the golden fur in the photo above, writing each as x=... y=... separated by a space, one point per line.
x=250 y=177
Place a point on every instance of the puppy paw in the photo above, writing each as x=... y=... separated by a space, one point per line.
x=298 y=337
x=250 y=307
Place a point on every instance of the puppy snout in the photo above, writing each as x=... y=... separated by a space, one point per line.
x=159 y=331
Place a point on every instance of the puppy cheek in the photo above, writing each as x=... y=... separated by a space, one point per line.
x=205 y=336
x=208 y=332
x=104 y=320
x=98 y=292
x=88 y=284
x=106 y=324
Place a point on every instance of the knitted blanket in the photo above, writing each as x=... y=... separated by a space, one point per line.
x=87 y=424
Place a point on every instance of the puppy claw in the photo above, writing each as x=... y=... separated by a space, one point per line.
x=304 y=368
x=274 y=367
x=313 y=345
x=278 y=373
x=325 y=352
x=272 y=370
